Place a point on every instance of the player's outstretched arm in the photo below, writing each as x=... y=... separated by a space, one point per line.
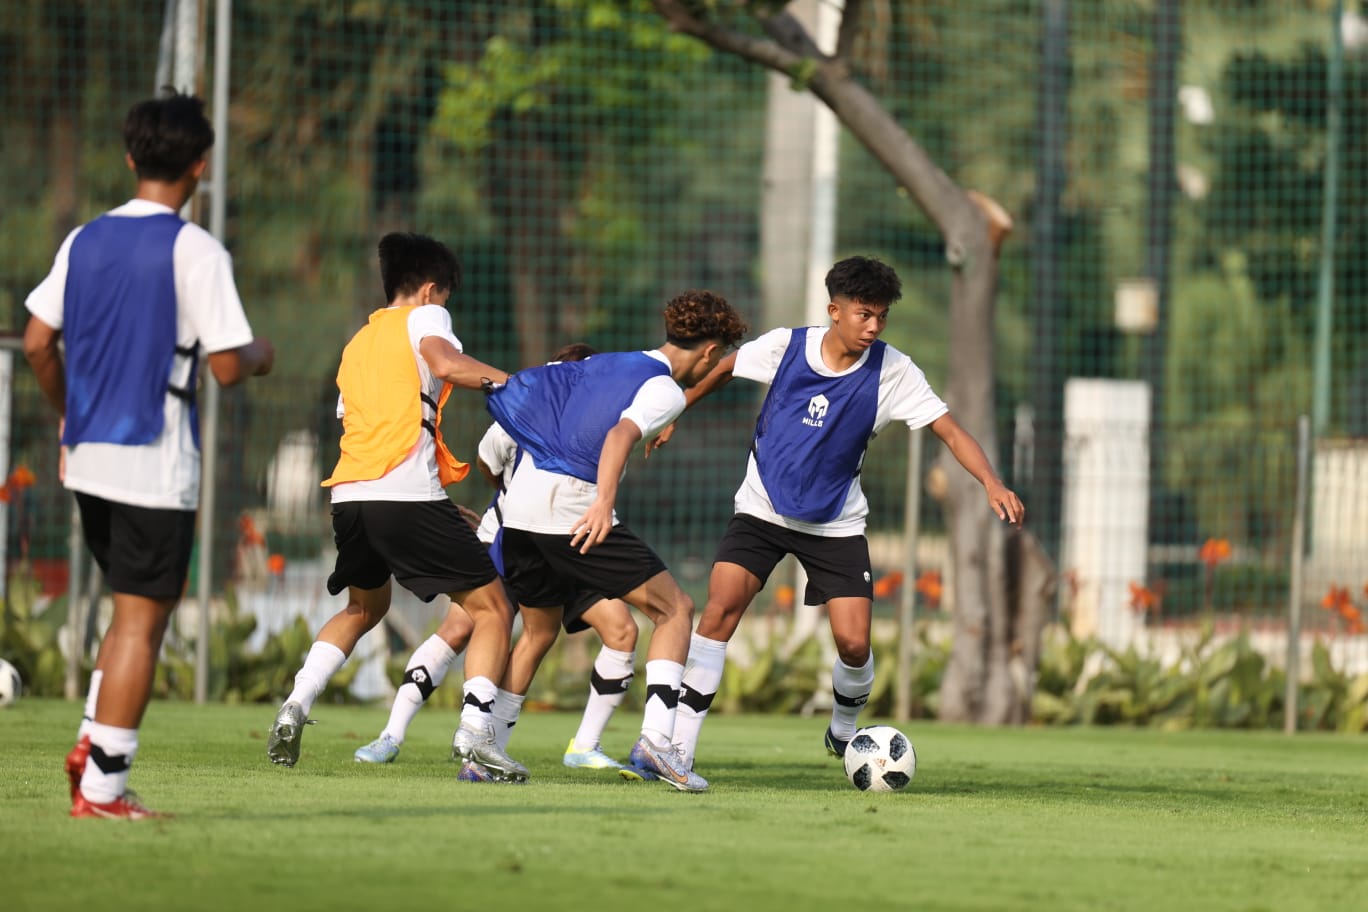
x=717 y=378
x=40 y=348
x=255 y=359
x=457 y=368
x=967 y=451
x=593 y=527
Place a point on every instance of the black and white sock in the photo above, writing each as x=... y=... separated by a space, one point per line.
x=607 y=689
x=702 y=678
x=850 y=687
x=425 y=671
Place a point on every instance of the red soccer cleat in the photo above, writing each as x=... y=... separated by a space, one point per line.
x=75 y=764
x=125 y=807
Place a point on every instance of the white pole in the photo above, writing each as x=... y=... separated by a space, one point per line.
x=218 y=180
x=825 y=151
x=1294 y=594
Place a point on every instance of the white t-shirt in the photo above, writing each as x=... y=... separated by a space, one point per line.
x=498 y=452
x=163 y=474
x=904 y=395
x=551 y=503
x=414 y=479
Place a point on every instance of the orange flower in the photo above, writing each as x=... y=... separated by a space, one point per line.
x=783 y=597
x=930 y=587
x=251 y=535
x=887 y=585
x=1214 y=551
x=276 y=564
x=1336 y=599
x=1143 y=598
x=22 y=477
x=4 y=494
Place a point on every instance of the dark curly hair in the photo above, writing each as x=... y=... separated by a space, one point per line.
x=864 y=279
x=697 y=317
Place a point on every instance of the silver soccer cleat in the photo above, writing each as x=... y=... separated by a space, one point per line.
x=650 y=762
x=476 y=742
x=282 y=744
x=382 y=750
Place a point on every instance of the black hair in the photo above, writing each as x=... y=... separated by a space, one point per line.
x=166 y=136
x=410 y=261
x=574 y=351
x=864 y=279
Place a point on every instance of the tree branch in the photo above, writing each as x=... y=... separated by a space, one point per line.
x=850 y=28
x=766 y=53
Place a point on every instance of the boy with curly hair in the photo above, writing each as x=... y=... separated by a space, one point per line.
x=577 y=422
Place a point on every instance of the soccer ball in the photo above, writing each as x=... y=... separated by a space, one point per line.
x=11 y=685
x=880 y=759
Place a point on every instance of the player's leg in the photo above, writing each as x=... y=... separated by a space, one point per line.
x=839 y=574
x=423 y=674
x=363 y=572
x=747 y=554
x=335 y=642
x=145 y=555
x=654 y=754
x=612 y=620
x=130 y=649
x=852 y=674
x=486 y=659
x=731 y=589
x=541 y=626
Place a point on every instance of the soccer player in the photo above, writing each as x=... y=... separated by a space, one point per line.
x=610 y=618
x=391 y=516
x=136 y=295
x=577 y=422
x=831 y=391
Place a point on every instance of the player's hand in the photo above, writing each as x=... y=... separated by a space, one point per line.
x=1005 y=503
x=593 y=527
x=659 y=440
x=469 y=516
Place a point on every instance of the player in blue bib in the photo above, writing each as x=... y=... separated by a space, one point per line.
x=831 y=391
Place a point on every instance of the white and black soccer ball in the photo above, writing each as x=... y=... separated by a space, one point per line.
x=11 y=685
x=880 y=759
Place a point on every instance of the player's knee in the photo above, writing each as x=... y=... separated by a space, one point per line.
x=619 y=633
x=853 y=651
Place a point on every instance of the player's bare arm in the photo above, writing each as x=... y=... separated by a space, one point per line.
x=457 y=368
x=717 y=378
x=40 y=348
x=967 y=451
x=255 y=359
x=593 y=527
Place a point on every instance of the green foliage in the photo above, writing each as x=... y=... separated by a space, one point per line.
x=29 y=637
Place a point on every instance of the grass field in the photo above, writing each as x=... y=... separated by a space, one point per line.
x=995 y=819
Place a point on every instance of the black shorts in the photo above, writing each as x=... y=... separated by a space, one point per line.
x=545 y=572
x=835 y=567
x=572 y=619
x=427 y=546
x=141 y=550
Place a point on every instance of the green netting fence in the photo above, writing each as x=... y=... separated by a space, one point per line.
x=1167 y=166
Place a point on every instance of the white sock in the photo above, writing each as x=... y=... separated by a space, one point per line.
x=607 y=689
x=662 y=699
x=111 y=754
x=92 y=696
x=322 y=663
x=426 y=669
x=850 y=687
x=702 y=678
x=507 y=708
x=479 y=700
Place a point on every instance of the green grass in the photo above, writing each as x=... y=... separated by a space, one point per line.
x=995 y=819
